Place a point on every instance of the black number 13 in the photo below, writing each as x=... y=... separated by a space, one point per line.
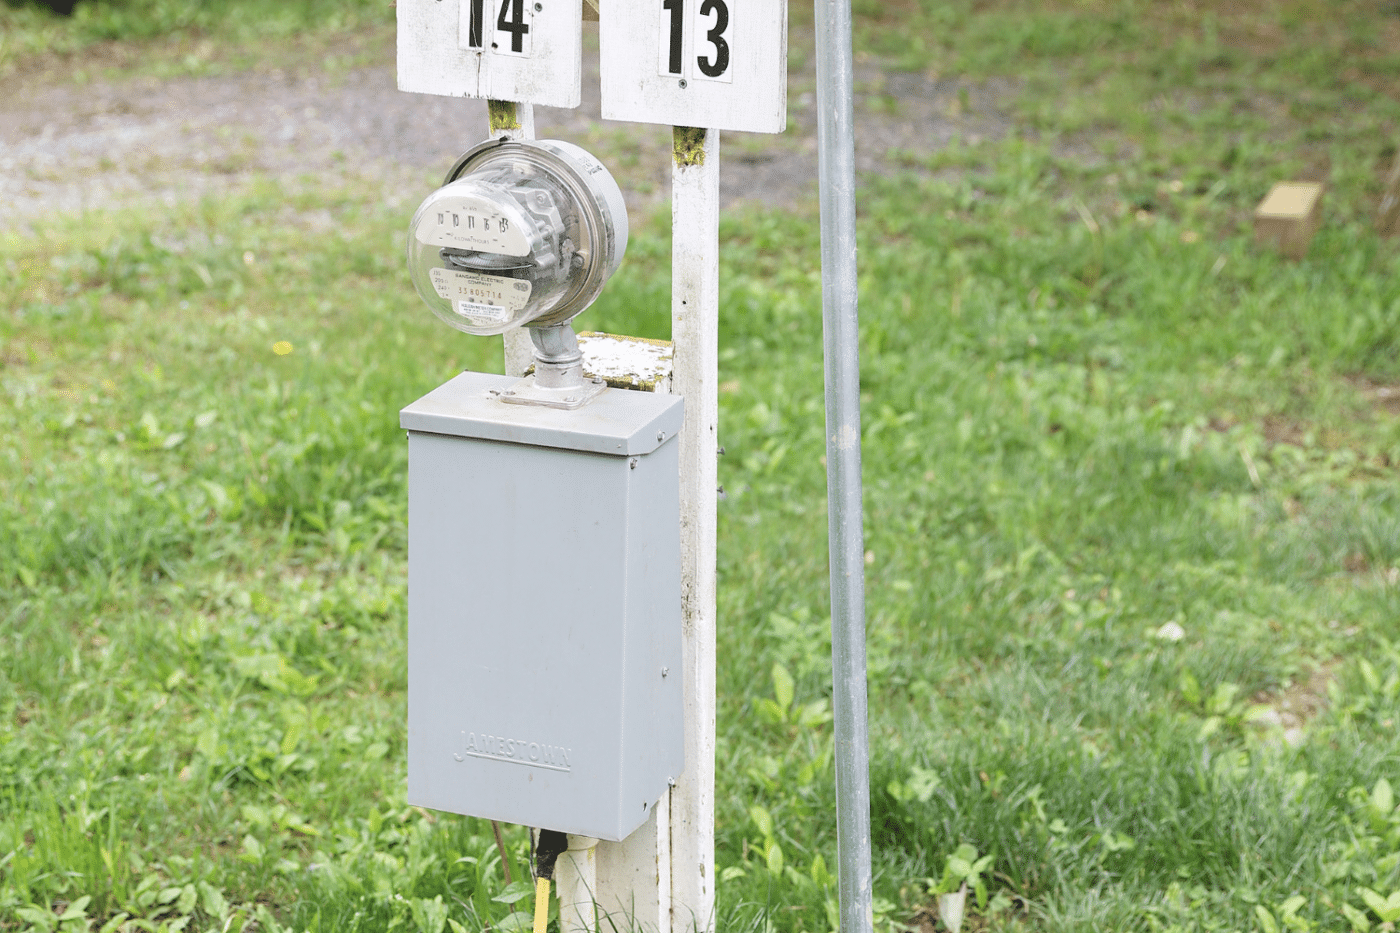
x=711 y=67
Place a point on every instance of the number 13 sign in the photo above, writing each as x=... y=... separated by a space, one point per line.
x=719 y=64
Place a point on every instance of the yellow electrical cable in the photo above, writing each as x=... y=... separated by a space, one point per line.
x=541 y=904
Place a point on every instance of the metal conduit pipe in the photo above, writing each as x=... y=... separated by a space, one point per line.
x=841 y=350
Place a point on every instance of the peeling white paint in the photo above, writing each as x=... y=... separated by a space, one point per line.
x=628 y=362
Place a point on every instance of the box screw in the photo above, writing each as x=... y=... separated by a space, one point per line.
x=660 y=436
x=665 y=671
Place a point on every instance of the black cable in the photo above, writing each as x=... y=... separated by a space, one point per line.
x=551 y=845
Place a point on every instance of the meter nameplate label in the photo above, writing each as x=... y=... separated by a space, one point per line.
x=482 y=315
x=465 y=222
x=480 y=298
x=720 y=64
x=459 y=285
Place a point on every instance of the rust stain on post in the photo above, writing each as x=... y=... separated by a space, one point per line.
x=503 y=115
x=688 y=145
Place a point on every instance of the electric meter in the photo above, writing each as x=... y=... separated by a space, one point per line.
x=521 y=233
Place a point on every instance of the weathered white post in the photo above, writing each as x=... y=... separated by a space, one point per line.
x=695 y=332
x=662 y=876
x=509 y=120
x=700 y=66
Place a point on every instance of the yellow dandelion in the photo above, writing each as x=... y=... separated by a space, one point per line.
x=282 y=348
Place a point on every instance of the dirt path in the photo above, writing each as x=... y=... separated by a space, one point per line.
x=66 y=147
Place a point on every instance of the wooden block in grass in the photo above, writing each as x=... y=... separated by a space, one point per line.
x=1388 y=217
x=1289 y=216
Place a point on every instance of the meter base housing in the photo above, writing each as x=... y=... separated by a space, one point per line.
x=544 y=623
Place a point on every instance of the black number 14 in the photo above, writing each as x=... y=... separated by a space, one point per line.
x=510 y=19
x=516 y=25
x=711 y=67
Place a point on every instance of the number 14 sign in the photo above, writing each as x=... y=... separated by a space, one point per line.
x=719 y=64
x=520 y=50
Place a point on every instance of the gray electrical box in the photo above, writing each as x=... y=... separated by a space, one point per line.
x=544 y=617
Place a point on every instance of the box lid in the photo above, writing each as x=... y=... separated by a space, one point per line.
x=620 y=422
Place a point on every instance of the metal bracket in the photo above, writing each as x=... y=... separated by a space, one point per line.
x=557 y=380
x=528 y=392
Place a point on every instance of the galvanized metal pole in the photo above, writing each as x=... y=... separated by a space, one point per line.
x=841 y=347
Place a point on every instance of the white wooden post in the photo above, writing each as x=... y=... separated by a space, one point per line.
x=695 y=332
x=662 y=877
x=719 y=65
x=576 y=882
x=634 y=876
x=514 y=121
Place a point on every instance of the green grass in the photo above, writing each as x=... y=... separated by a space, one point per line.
x=183 y=36
x=1132 y=509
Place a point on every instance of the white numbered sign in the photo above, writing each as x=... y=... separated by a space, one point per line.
x=528 y=51
x=719 y=64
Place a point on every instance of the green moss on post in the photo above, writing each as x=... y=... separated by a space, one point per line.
x=504 y=116
x=688 y=145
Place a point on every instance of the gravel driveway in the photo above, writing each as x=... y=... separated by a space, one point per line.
x=67 y=147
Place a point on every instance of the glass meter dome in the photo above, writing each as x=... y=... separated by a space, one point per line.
x=522 y=232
